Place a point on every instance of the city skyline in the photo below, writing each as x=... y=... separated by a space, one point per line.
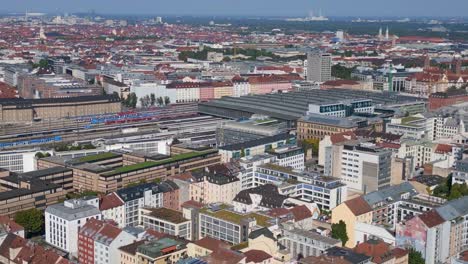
x=364 y=8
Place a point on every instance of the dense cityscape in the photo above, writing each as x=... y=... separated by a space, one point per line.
x=214 y=139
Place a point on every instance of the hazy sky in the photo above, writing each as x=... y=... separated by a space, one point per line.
x=246 y=7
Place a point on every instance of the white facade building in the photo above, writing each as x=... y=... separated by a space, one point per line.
x=159 y=90
x=143 y=195
x=62 y=222
x=18 y=160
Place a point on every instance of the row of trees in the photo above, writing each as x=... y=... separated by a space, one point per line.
x=146 y=101
x=341 y=72
x=151 y=100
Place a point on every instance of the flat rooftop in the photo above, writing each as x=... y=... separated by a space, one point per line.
x=166 y=214
x=293 y=105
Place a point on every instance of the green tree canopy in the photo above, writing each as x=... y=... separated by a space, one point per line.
x=32 y=220
x=339 y=232
x=415 y=257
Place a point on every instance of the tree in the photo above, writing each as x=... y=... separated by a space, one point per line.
x=339 y=232
x=131 y=100
x=415 y=257
x=167 y=100
x=312 y=143
x=341 y=72
x=160 y=101
x=153 y=99
x=242 y=153
x=32 y=220
x=43 y=63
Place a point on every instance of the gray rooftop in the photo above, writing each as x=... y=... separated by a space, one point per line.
x=79 y=210
x=293 y=105
x=454 y=209
x=313 y=236
x=392 y=192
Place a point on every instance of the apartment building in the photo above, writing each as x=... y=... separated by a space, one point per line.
x=165 y=221
x=18 y=194
x=162 y=250
x=460 y=173
x=64 y=220
x=99 y=241
x=363 y=167
x=326 y=192
x=222 y=223
x=136 y=197
x=300 y=242
x=208 y=186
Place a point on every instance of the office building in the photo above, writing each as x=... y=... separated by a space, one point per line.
x=165 y=221
x=220 y=222
x=300 y=242
x=319 y=66
x=289 y=156
x=343 y=108
x=64 y=220
x=363 y=167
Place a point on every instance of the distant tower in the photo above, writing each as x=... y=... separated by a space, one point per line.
x=42 y=35
x=458 y=67
x=427 y=62
x=380 y=33
x=387 y=36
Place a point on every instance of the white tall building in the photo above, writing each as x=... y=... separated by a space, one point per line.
x=362 y=167
x=319 y=66
x=250 y=165
x=62 y=222
x=143 y=195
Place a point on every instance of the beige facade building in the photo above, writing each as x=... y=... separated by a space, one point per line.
x=351 y=212
x=108 y=172
x=26 y=110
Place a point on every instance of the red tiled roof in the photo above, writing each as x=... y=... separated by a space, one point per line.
x=399 y=252
x=301 y=212
x=443 y=148
x=7 y=91
x=358 y=206
x=341 y=137
x=340 y=82
x=211 y=244
x=225 y=256
x=275 y=212
x=192 y=204
x=10 y=225
x=388 y=145
x=109 y=231
x=431 y=218
x=110 y=201
x=28 y=252
x=378 y=250
x=256 y=256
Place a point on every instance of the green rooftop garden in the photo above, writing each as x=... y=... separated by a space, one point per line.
x=409 y=119
x=236 y=218
x=98 y=157
x=150 y=164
